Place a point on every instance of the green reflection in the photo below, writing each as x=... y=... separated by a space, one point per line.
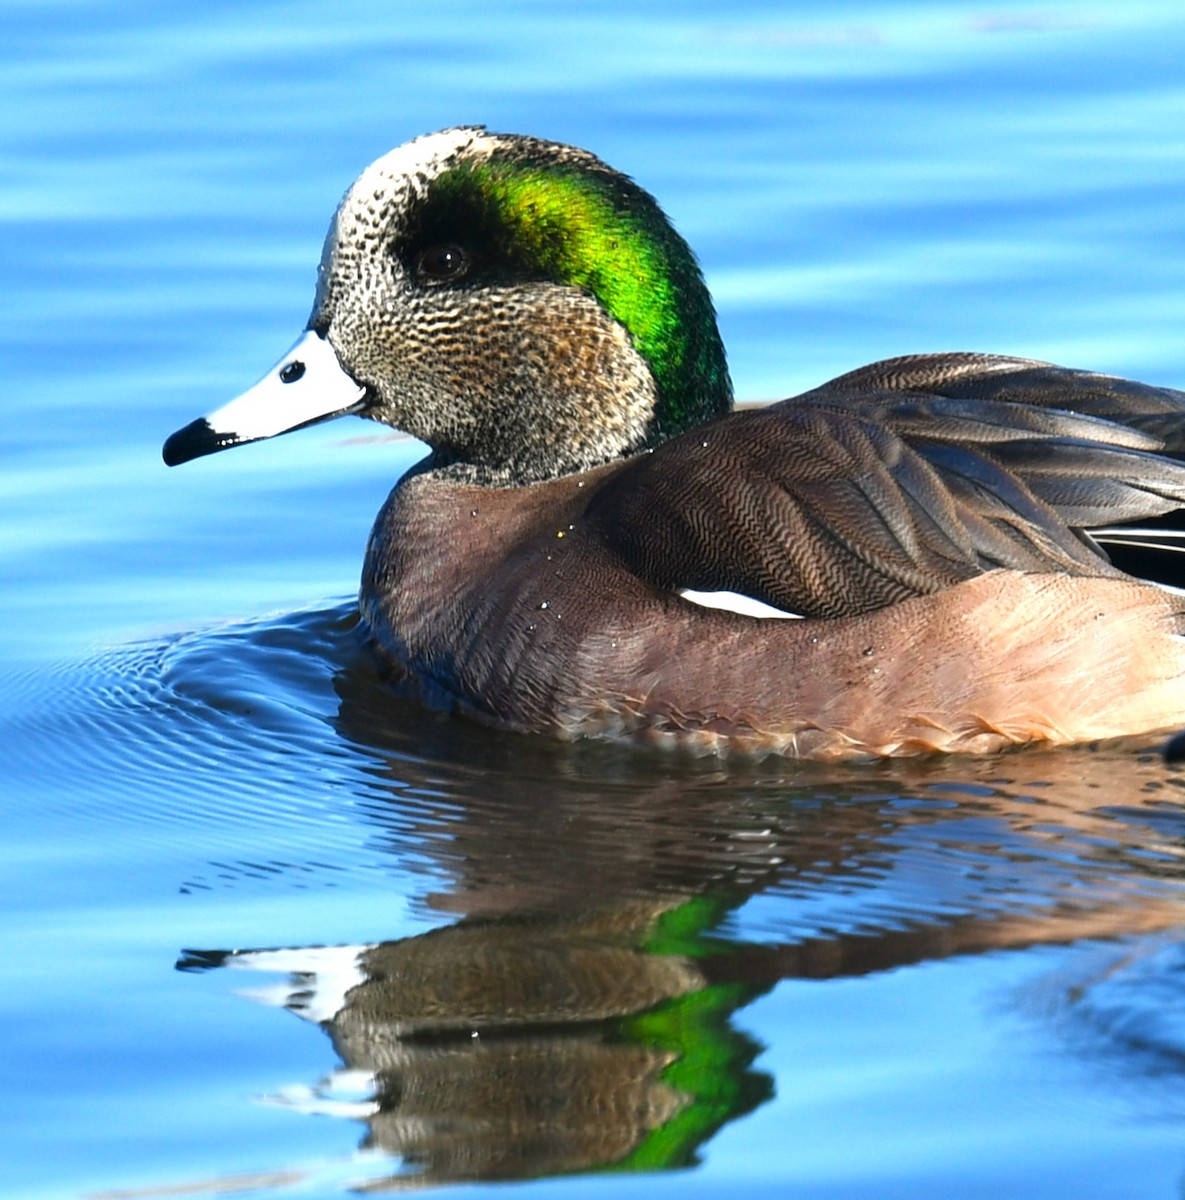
x=514 y=1048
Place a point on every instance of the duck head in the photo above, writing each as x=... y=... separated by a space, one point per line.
x=515 y=303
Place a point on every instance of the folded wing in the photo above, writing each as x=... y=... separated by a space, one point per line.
x=901 y=479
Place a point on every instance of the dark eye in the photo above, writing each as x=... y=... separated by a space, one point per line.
x=439 y=263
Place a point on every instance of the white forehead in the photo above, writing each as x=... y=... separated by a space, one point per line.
x=417 y=162
x=387 y=187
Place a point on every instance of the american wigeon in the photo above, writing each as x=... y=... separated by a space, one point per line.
x=598 y=545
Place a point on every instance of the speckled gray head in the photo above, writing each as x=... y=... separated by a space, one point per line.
x=515 y=303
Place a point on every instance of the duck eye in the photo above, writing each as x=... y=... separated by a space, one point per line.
x=439 y=263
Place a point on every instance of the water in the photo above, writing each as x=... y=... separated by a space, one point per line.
x=938 y=978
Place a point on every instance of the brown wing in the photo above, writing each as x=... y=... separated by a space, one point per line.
x=841 y=502
x=1037 y=385
x=1155 y=551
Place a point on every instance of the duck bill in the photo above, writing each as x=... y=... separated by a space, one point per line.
x=306 y=386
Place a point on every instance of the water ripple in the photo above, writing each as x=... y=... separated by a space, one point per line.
x=228 y=729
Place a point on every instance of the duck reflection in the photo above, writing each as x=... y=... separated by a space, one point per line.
x=525 y=1046
x=578 y=1014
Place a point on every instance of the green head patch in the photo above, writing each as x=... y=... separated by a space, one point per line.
x=587 y=227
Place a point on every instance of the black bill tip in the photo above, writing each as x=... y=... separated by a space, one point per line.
x=195 y=440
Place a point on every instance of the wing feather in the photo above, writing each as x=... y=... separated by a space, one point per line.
x=900 y=479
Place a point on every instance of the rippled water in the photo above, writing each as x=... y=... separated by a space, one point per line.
x=269 y=928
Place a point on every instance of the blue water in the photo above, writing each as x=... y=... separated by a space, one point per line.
x=592 y=968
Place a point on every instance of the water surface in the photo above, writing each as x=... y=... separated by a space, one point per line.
x=269 y=928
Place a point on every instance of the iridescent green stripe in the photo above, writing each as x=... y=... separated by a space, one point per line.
x=599 y=232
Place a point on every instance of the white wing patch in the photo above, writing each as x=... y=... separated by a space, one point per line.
x=1167 y=541
x=735 y=602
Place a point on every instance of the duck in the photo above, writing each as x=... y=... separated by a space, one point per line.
x=913 y=558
